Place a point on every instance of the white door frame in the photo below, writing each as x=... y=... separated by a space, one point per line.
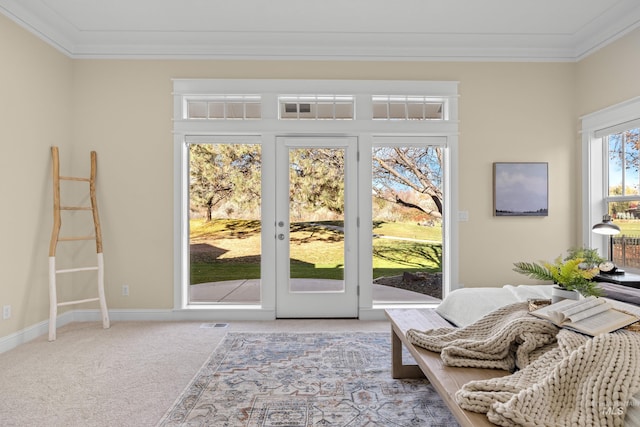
x=265 y=129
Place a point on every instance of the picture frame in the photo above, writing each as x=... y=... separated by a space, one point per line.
x=521 y=189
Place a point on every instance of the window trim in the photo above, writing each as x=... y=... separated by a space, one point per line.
x=595 y=127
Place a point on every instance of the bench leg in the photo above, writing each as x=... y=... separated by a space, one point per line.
x=398 y=370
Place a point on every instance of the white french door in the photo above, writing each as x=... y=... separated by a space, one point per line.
x=316 y=227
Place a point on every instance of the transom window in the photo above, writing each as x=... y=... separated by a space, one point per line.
x=224 y=107
x=386 y=107
x=317 y=107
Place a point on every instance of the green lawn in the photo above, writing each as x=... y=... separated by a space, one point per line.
x=408 y=230
x=316 y=252
x=629 y=227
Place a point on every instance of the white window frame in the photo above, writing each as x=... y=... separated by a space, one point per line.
x=595 y=127
x=270 y=126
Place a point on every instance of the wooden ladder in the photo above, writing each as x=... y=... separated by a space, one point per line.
x=55 y=238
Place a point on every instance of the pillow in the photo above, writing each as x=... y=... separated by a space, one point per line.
x=526 y=292
x=464 y=306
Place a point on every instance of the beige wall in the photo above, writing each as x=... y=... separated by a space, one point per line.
x=122 y=109
x=609 y=76
x=35 y=113
x=509 y=112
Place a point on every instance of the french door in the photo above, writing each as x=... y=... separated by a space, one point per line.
x=316 y=227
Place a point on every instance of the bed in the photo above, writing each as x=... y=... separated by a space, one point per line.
x=465 y=307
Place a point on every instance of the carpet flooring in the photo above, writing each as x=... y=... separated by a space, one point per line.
x=305 y=379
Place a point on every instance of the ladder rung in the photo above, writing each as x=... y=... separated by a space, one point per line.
x=80 y=301
x=69 y=239
x=73 y=178
x=75 y=208
x=73 y=270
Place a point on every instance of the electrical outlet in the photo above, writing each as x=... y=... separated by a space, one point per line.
x=125 y=290
x=6 y=312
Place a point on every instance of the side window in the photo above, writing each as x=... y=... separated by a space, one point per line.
x=622 y=198
x=611 y=181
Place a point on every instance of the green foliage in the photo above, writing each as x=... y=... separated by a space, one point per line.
x=533 y=270
x=316 y=180
x=226 y=178
x=225 y=173
x=570 y=273
x=591 y=258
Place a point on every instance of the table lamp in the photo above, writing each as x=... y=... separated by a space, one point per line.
x=607 y=228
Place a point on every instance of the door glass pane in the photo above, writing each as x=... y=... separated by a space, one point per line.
x=316 y=219
x=224 y=224
x=407 y=223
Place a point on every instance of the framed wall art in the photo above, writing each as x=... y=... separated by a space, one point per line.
x=520 y=189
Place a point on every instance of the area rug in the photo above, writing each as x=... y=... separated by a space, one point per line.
x=305 y=379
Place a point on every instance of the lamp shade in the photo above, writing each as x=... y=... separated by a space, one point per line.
x=606 y=227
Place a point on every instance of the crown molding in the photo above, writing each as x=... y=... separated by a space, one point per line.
x=334 y=46
x=319 y=52
x=45 y=31
x=611 y=28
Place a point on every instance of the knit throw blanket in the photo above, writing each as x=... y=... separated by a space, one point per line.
x=507 y=338
x=564 y=378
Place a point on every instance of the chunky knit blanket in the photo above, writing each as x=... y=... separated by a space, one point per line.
x=564 y=378
x=506 y=338
x=582 y=381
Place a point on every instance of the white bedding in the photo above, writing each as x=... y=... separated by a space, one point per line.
x=464 y=306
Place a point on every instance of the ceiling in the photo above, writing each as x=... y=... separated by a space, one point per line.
x=459 y=30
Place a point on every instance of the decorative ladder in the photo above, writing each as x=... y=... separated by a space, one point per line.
x=55 y=238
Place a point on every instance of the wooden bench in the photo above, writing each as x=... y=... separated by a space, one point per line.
x=445 y=379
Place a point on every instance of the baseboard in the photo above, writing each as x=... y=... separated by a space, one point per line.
x=205 y=315
x=118 y=315
x=27 y=334
x=34 y=331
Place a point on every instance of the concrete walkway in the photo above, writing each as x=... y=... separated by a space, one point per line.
x=248 y=291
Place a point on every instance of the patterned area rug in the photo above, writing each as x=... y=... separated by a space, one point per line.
x=305 y=379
